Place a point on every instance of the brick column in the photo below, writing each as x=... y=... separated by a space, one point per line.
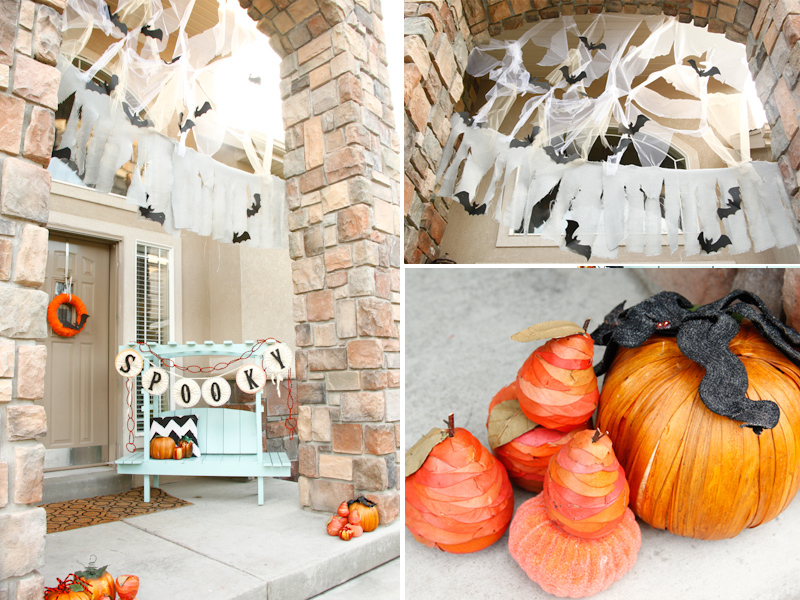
x=342 y=170
x=29 y=41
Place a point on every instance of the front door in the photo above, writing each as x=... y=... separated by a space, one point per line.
x=76 y=381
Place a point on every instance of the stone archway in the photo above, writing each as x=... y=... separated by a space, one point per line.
x=770 y=29
x=343 y=189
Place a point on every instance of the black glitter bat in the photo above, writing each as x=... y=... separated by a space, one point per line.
x=708 y=246
x=527 y=141
x=187 y=124
x=77 y=327
x=634 y=128
x=148 y=213
x=253 y=210
x=256 y=80
x=470 y=207
x=156 y=34
x=203 y=109
x=120 y=25
x=134 y=118
x=710 y=73
x=558 y=156
x=734 y=204
x=572 y=78
x=572 y=242
x=703 y=335
x=590 y=46
x=238 y=239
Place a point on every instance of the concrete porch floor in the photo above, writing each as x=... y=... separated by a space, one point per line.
x=226 y=547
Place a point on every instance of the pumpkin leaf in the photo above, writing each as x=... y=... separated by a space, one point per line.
x=417 y=454
x=547 y=330
x=507 y=422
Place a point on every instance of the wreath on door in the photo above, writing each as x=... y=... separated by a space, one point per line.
x=67 y=329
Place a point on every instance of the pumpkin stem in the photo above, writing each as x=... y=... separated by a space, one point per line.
x=451 y=425
x=586 y=324
x=597 y=435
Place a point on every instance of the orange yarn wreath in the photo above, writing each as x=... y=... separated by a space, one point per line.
x=66 y=329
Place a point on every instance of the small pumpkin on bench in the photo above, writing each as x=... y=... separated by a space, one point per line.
x=162 y=447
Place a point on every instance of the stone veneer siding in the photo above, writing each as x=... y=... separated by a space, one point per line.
x=440 y=33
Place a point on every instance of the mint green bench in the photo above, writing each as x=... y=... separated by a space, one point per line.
x=230 y=440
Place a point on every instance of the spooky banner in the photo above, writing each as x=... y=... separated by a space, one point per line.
x=529 y=168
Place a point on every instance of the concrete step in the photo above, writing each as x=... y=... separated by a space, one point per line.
x=381 y=583
x=73 y=484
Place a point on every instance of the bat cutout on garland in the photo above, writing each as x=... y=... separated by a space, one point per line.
x=114 y=18
x=471 y=207
x=709 y=246
x=634 y=128
x=256 y=80
x=174 y=60
x=103 y=88
x=559 y=156
x=572 y=78
x=526 y=141
x=199 y=112
x=253 y=210
x=734 y=203
x=147 y=213
x=238 y=239
x=709 y=73
x=542 y=83
x=187 y=124
x=590 y=46
x=134 y=118
x=469 y=120
x=156 y=34
x=572 y=242
x=77 y=327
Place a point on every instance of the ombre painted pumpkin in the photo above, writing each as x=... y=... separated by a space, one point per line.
x=693 y=472
x=557 y=386
x=460 y=500
x=571 y=566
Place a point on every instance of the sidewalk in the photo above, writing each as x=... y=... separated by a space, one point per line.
x=226 y=547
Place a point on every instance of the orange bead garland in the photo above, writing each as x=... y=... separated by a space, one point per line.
x=52 y=315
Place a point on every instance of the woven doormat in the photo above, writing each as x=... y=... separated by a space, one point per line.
x=73 y=514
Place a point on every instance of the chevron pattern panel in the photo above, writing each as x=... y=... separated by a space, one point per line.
x=177 y=428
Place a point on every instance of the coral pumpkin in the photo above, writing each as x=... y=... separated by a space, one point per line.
x=127 y=587
x=526 y=457
x=557 y=386
x=693 y=472
x=571 y=567
x=460 y=500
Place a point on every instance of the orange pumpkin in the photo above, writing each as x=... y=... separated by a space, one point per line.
x=585 y=490
x=693 y=472
x=71 y=588
x=127 y=587
x=557 y=386
x=571 y=566
x=526 y=457
x=367 y=513
x=162 y=447
x=99 y=580
x=460 y=500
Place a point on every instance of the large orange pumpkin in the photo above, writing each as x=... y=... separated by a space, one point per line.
x=693 y=472
x=460 y=500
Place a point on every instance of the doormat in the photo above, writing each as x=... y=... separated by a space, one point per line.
x=73 y=514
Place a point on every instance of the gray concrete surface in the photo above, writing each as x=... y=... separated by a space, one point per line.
x=458 y=355
x=382 y=583
x=226 y=547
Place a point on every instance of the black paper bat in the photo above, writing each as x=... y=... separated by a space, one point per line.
x=572 y=78
x=467 y=119
x=253 y=210
x=542 y=83
x=256 y=80
x=238 y=239
x=573 y=243
x=541 y=210
x=734 y=204
x=710 y=73
x=148 y=213
x=134 y=118
x=77 y=327
x=187 y=124
x=471 y=207
x=634 y=128
x=559 y=157
x=527 y=141
x=203 y=109
x=103 y=88
x=590 y=46
x=156 y=34
x=622 y=146
x=708 y=246
x=120 y=25
x=174 y=60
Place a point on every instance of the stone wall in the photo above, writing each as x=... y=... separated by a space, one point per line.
x=29 y=42
x=342 y=170
x=770 y=29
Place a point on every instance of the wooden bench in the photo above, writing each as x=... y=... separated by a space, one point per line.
x=230 y=440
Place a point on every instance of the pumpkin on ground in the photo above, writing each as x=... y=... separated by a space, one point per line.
x=557 y=386
x=162 y=447
x=693 y=472
x=71 y=588
x=127 y=587
x=460 y=499
x=99 y=580
x=367 y=513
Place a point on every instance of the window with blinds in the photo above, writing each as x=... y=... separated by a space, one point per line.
x=153 y=318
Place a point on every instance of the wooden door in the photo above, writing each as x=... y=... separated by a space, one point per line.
x=76 y=382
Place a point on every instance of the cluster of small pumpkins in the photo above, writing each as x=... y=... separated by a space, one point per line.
x=94 y=583
x=164 y=447
x=459 y=497
x=353 y=518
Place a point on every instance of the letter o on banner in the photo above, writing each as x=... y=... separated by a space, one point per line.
x=155 y=381
x=129 y=363
x=216 y=391
x=185 y=393
x=278 y=359
x=251 y=379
